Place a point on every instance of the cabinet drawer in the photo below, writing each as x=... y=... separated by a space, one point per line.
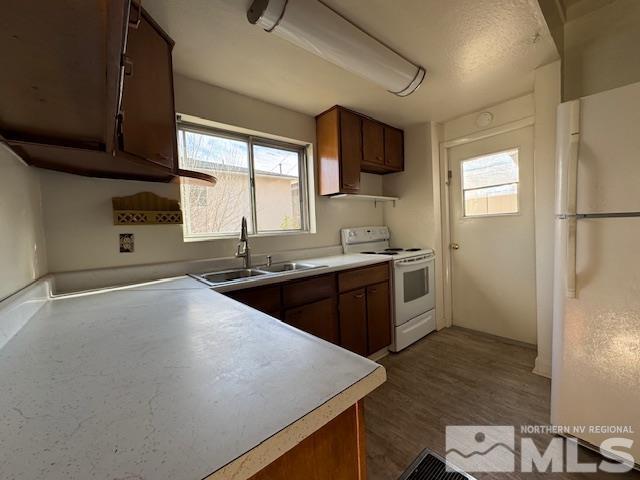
x=362 y=277
x=319 y=319
x=265 y=299
x=309 y=290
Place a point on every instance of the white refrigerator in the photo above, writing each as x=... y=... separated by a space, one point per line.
x=596 y=334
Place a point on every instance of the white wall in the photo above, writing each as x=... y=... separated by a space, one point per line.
x=415 y=220
x=78 y=219
x=547 y=99
x=22 y=246
x=601 y=47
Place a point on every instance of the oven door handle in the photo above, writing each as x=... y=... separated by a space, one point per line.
x=414 y=263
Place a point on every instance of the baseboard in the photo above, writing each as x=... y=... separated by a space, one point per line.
x=542 y=367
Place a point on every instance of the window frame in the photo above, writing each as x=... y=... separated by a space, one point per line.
x=463 y=190
x=251 y=140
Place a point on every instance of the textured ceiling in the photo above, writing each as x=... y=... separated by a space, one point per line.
x=476 y=52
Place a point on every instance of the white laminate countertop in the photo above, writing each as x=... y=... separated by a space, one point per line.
x=166 y=380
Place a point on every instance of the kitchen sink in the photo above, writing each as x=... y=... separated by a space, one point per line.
x=239 y=274
x=287 y=267
x=229 y=275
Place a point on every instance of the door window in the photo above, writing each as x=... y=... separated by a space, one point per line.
x=490 y=184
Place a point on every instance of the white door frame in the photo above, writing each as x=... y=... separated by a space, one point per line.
x=446 y=198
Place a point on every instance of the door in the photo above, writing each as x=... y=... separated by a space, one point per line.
x=414 y=287
x=353 y=321
x=148 y=125
x=350 y=151
x=492 y=235
x=372 y=142
x=393 y=148
x=596 y=281
x=318 y=319
x=378 y=317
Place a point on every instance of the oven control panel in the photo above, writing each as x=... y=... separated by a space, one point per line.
x=351 y=236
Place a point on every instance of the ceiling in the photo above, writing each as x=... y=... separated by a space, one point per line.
x=476 y=53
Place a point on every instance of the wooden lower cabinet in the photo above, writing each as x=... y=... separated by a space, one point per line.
x=378 y=317
x=335 y=452
x=318 y=318
x=358 y=318
x=353 y=321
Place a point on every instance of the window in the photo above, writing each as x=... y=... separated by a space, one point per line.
x=490 y=184
x=258 y=178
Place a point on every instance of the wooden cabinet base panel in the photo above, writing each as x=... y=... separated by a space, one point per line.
x=335 y=452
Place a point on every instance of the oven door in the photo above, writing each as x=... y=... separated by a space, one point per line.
x=414 y=282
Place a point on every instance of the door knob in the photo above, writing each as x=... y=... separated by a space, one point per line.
x=454 y=246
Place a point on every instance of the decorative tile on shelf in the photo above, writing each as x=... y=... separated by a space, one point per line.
x=146 y=208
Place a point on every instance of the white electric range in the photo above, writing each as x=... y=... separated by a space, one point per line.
x=413 y=280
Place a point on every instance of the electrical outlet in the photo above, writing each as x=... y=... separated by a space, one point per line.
x=126 y=243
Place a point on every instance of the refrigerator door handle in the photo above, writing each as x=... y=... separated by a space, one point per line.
x=572 y=174
x=570 y=274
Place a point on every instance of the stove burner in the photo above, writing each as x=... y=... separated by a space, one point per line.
x=388 y=253
x=413 y=249
x=369 y=253
x=393 y=249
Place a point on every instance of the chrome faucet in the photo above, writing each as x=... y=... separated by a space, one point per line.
x=243 y=250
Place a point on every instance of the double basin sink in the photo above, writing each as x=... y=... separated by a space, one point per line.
x=240 y=274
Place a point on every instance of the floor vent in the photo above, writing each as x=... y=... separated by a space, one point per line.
x=431 y=466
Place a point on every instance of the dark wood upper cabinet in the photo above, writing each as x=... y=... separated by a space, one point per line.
x=394 y=148
x=350 y=150
x=339 y=141
x=67 y=83
x=372 y=143
x=353 y=321
x=148 y=118
x=349 y=143
x=378 y=317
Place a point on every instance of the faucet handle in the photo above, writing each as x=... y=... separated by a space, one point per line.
x=268 y=260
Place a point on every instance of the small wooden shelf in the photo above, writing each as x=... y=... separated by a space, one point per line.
x=370 y=198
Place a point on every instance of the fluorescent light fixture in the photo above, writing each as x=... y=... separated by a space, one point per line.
x=315 y=27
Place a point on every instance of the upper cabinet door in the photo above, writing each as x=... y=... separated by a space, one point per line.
x=393 y=148
x=372 y=142
x=350 y=150
x=148 y=127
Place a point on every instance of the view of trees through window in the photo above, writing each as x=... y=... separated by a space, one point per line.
x=256 y=178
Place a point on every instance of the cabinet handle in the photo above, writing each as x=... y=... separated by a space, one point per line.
x=358 y=295
x=374 y=290
x=378 y=157
x=350 y=185
x=136 y=22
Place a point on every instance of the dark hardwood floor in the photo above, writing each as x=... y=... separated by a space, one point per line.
x=457 y=377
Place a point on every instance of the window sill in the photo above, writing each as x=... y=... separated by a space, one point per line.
x=234 y=236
